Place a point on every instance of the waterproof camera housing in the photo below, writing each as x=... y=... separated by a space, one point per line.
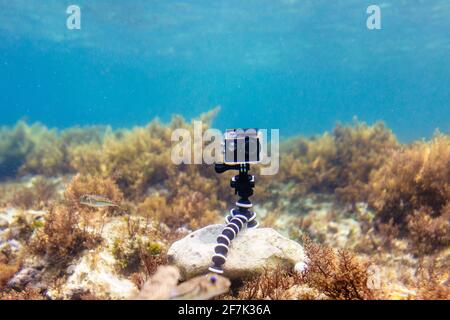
x=242 y=146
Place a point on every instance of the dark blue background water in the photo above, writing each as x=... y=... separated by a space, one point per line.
x=300 y=66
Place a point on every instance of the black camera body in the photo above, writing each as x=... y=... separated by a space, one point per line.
x=242 y=146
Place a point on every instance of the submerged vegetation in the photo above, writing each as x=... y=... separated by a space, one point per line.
x=330 y=274
x=339 y=275
x=339 y=163
x=403 y=188
x=62 y=236
x=413 y=190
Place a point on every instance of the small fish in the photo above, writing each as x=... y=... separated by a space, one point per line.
x=163 y=286
x=97 y=201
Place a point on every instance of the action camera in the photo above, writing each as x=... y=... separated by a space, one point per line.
x=242 y=146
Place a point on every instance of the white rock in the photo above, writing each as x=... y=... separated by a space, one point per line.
x=300 y=267
x=250 y=252
x=94 y=272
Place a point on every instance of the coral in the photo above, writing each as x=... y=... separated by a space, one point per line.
x=339 y=275
x=415 y=178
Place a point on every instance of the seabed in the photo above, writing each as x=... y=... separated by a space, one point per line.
x=372 y=213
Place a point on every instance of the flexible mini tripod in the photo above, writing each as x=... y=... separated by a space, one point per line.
x=243 y=185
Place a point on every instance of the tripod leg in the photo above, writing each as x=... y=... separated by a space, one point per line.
x=236 y=220
x=243 y=207
x=234 y=225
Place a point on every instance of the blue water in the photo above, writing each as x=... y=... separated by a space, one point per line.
x=300 y=66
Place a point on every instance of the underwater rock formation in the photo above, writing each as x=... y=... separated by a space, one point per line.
x=250 y=253
x=95 y=273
